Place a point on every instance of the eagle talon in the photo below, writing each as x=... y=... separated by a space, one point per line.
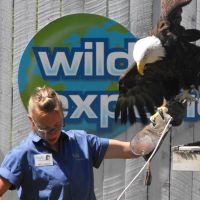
x=160 y=112
x=153 y=121
x=186 y=97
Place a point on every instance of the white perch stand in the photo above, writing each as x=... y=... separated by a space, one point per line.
x=186 y=158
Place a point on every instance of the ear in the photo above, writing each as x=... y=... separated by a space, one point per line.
x=30 y=119
x=190 y=35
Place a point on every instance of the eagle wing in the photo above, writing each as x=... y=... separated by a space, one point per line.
x=169 y=25
x=140 y=94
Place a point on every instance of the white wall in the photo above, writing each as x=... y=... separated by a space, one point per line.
x=20 y=20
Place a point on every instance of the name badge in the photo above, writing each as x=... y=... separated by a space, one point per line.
x=43 y=159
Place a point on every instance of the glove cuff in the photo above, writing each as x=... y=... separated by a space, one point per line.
x=143 y=145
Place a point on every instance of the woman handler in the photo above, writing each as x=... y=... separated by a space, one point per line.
x=51 y=163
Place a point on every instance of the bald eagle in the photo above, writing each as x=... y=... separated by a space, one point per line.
x=165 y=63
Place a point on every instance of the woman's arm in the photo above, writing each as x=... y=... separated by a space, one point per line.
x=119 y=149
x=4 y=186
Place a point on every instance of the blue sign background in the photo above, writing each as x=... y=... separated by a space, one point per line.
x=81 y=56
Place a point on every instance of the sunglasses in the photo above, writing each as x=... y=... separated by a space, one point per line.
x=47 y=130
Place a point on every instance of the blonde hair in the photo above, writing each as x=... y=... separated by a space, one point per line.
x=44 y=99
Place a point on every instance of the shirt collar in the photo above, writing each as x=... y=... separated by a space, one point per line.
x=36 y=138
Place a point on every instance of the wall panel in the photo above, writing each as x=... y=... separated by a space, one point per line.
x=6 y=75
x=72 y=6
x=48 y=10
x=6 y=70
x=24 y=28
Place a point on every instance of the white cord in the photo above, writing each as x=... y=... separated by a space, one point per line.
x=154 y=151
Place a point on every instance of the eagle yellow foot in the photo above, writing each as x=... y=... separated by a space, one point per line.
x=160 y=111
x=186 y=97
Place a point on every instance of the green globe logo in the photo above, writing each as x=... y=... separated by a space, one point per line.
x=81 y=56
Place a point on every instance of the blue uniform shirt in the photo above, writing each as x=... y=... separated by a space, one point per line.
x=70 y=176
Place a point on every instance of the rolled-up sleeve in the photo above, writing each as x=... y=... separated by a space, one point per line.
x=98 y=147
x=11 y=168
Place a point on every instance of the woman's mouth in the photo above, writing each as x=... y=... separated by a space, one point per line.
x=52 y=140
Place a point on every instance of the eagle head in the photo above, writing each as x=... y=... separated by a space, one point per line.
x=147 y=50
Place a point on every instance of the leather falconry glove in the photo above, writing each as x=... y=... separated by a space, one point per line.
x=146 y=140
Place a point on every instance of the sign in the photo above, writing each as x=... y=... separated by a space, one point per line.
x=186 y=158
x=81 y=56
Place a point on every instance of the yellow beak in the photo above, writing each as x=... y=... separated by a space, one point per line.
x=140 y=68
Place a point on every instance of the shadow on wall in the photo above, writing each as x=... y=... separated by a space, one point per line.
x=2 y=155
